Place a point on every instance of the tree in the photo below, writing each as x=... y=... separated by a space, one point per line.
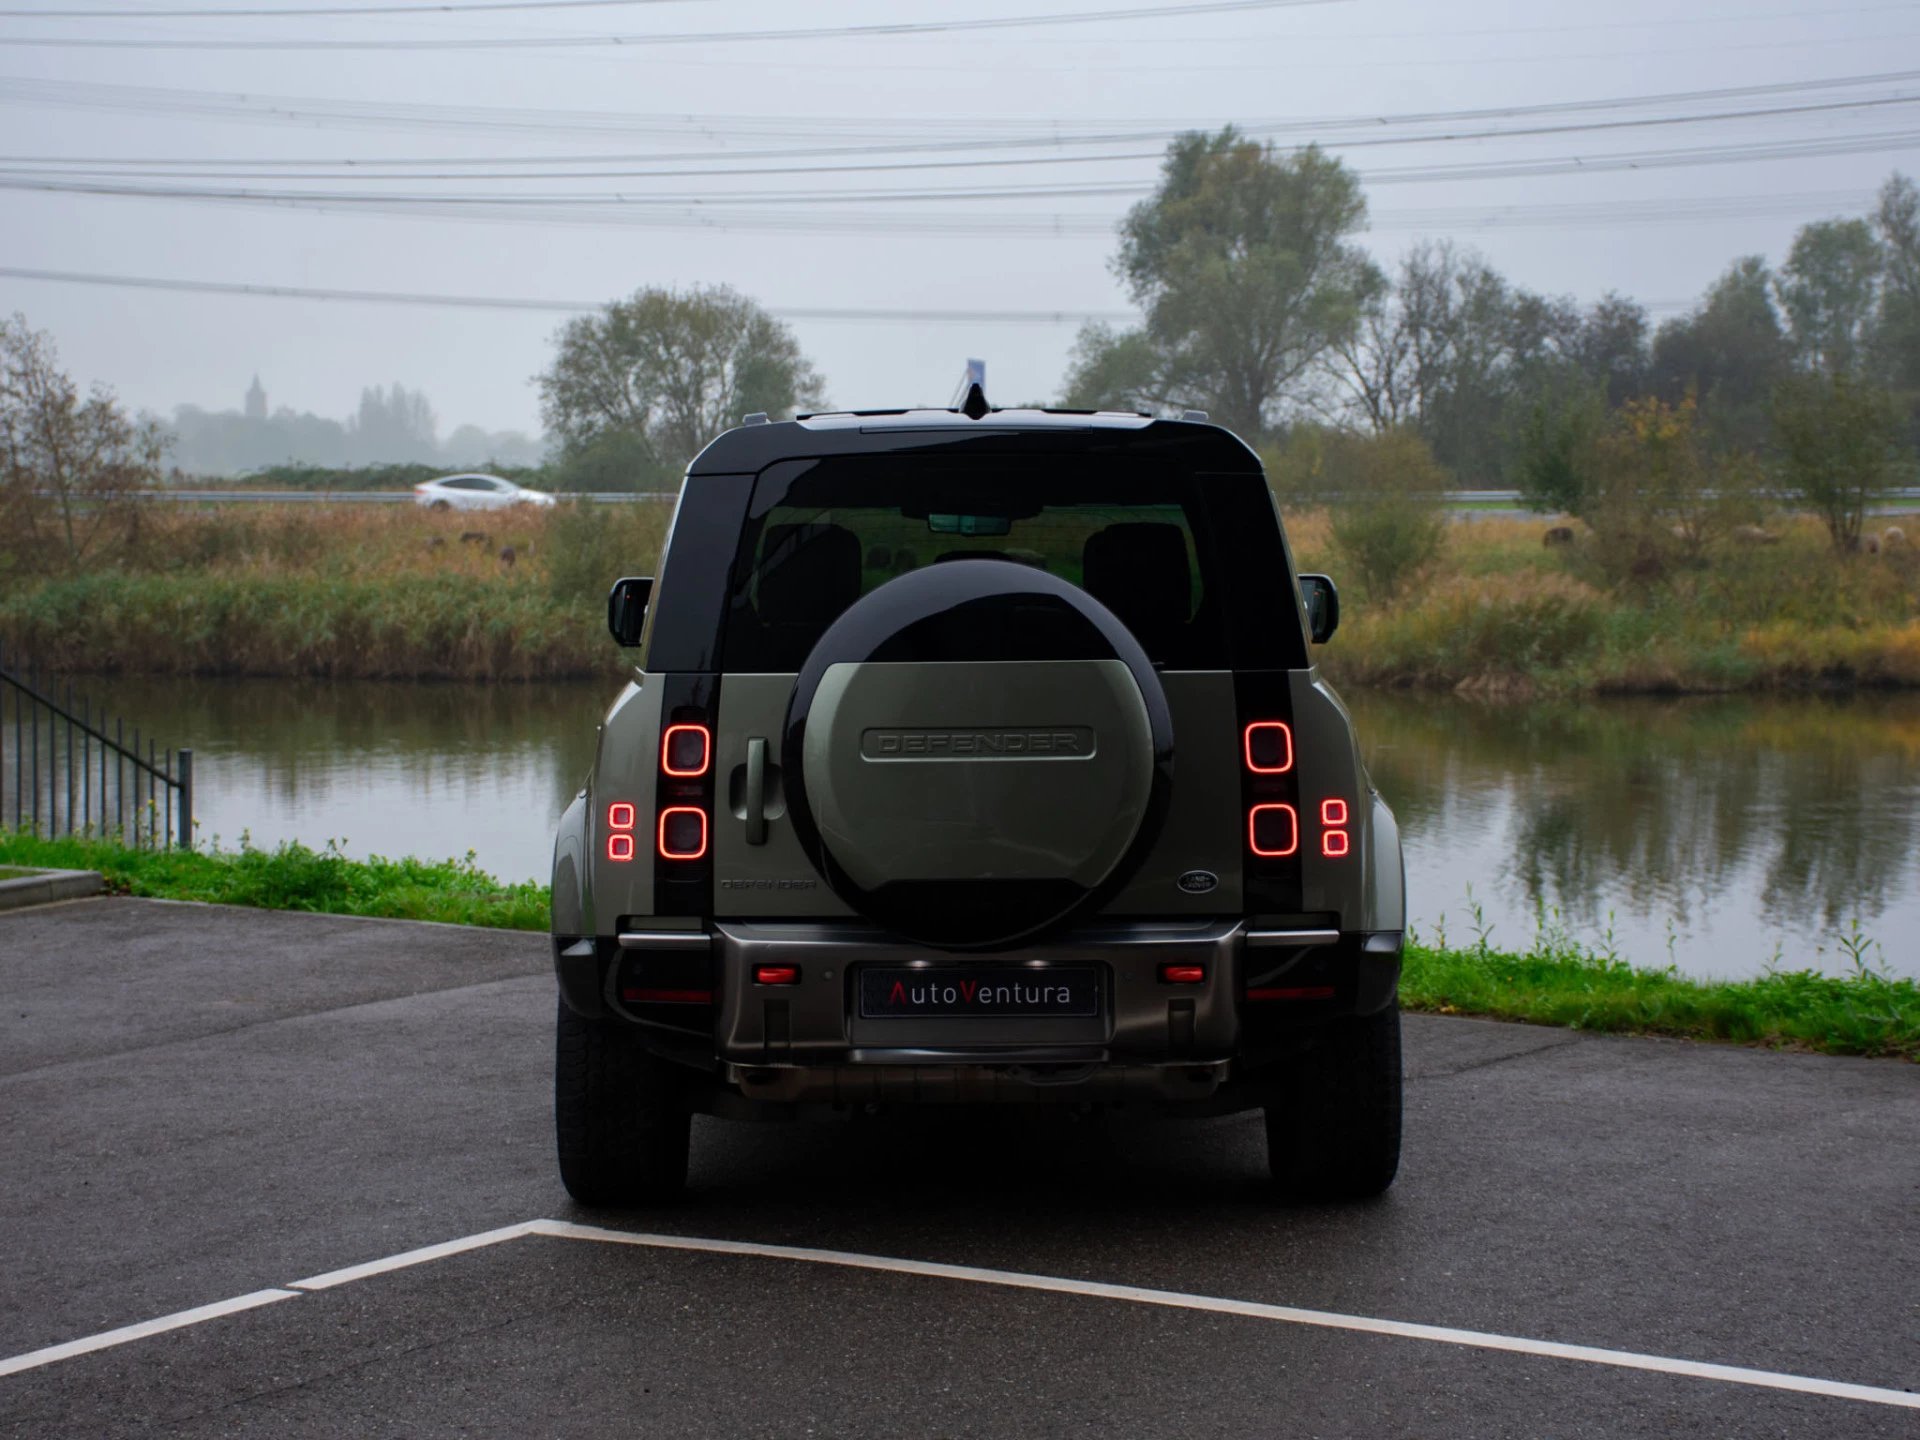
x=392 y=425
x=1610 y=347
x=1896 y=223
x=1241 y=263
x=1432 y=354
x=651 y=379
x=1842 y=446
x=1658 y=494
x=1829 y=288
x=1554 y=434
x=1731 y=352
x=69 y=468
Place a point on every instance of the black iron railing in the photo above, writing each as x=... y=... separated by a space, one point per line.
x=67 y=768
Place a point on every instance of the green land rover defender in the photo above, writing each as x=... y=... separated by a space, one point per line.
x=976 y=756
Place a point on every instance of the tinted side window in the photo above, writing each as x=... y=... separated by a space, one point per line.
x=820 y=534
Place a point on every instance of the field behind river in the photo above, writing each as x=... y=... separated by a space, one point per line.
x=384 y=592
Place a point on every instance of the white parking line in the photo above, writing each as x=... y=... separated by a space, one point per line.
x=1323 y=1319
x=179 y=1320
x=1010 y=1279
x=415 y=1257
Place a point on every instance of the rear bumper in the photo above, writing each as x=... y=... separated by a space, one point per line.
x=693 y=995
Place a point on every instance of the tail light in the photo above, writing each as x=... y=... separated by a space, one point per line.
x=683 y=833
x=621 y=819
x=1268 y=746
x=1273 y=831
x=1334 y=838
x=686 y=751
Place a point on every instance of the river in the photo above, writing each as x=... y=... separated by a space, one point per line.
x=1719 y=835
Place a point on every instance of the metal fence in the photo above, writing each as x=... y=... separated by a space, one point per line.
x=69 y=769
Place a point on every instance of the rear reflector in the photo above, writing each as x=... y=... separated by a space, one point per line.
x=1273 y=831
x=1183 y=974
x=621 y=816
x=686 y=751
x=1298 y=992
x=620 y=847
x=776 y=974
x=683 y=833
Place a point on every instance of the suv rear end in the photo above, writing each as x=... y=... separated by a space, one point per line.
x=976 y=759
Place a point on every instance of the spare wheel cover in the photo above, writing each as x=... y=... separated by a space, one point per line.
x=982 y=751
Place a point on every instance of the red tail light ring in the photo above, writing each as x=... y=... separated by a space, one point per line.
x=683 y=833
x=1273 y=831
x=686 y=751
x=1268 y=747
x=620 y=847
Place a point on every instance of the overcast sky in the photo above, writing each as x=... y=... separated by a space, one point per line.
x=1659 y=234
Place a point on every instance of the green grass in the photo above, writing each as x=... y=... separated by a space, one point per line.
x=294 y=877
x=1555 y=983
x=14 y=872
x=1862 y=1013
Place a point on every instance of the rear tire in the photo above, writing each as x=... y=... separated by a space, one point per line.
x=620 y=1115
x=1333 y=1126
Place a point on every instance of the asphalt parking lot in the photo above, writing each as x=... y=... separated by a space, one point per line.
x=249 y=1127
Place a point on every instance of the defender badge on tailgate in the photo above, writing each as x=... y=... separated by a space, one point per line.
x=1198 y=882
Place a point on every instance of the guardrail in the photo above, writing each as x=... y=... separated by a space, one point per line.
x=64 y=774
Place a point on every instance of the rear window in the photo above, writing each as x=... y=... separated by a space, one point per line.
x=820 y=534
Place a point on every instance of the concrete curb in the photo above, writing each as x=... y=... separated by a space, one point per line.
x=45 y=886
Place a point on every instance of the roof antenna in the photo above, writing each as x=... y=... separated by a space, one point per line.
x=975 y=405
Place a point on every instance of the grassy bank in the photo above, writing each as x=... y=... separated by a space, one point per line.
x=347 y=593
x=401 y=593
x=1500 y=612
x=1864 y=1013
x=1557 y=983
x=294 y=877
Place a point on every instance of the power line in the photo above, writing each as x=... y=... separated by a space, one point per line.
x=287 y=170
x=908 y=136
x=1473 y=170
x=709 y=37
x=856 y=314
x=464 y=7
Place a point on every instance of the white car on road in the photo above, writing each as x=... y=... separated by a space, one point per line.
x=476 y=492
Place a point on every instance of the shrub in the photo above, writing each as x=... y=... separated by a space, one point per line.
x=1494 y=626
x=1384 y=495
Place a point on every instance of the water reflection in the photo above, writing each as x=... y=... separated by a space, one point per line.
x=1732 y=828
x=391 y=769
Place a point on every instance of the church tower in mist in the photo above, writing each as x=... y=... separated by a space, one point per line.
x=256 y=401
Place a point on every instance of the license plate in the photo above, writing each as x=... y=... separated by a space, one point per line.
x=1061 y=991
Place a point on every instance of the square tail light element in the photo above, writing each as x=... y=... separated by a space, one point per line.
x=686 y=751
x=683 y=833
x=1268 y=745
x=1273 y=831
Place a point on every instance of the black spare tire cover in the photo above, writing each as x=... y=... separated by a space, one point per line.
x=976 y=752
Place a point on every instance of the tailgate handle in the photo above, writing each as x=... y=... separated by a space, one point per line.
x=756 y=791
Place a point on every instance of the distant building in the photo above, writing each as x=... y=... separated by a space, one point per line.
x=256 y=401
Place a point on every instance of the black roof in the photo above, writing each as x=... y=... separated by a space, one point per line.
x=1193 y=445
